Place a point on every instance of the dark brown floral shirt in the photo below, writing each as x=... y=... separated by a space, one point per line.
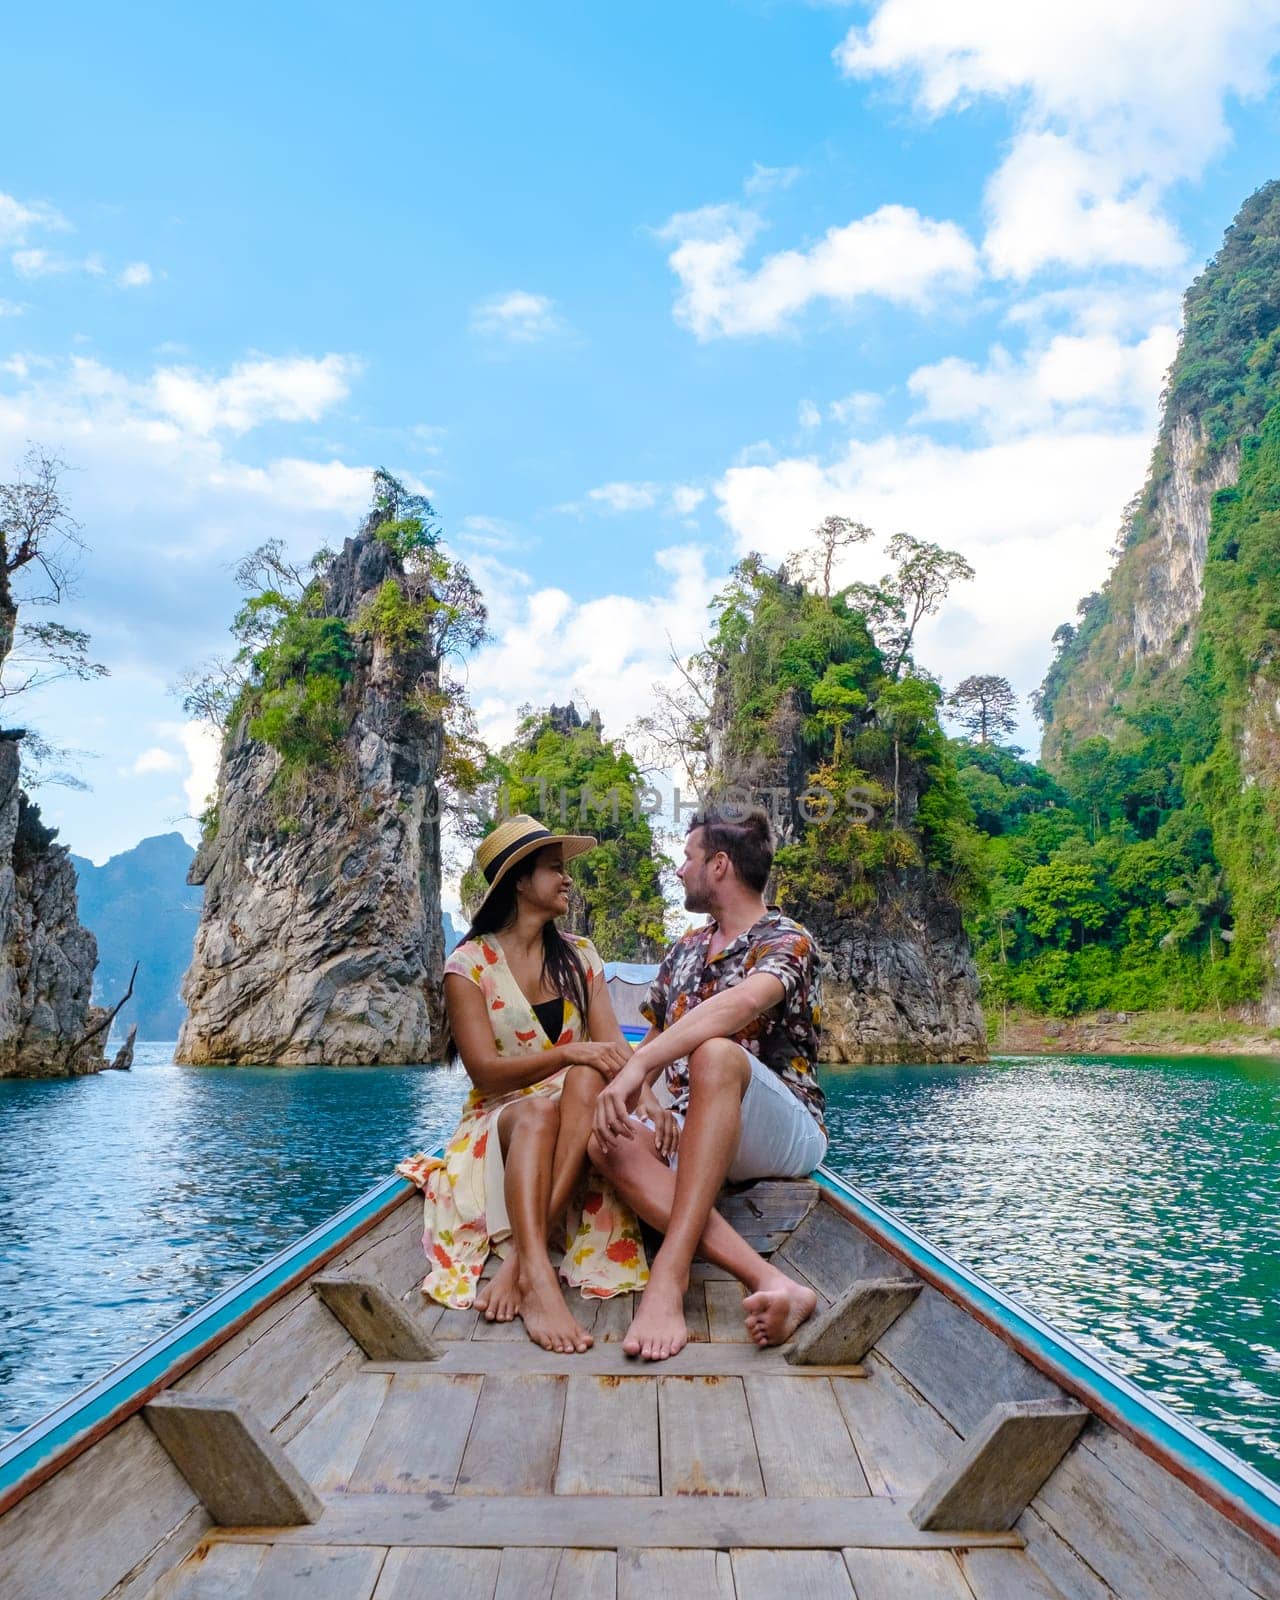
x=785 y=1038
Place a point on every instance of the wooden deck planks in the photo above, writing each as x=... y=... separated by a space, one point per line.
x=707 y=1445
x=614 y=1522
x=832 y=1253
x=609 y=1441
x=317 y=1572
x=656 y=1574
x=415 y=1444
x=455 y=1574
x=802 y=1439
x=906 y=1575
x=214 y=1572
x=325 y=1452
x=586 y=1575
x=515 y=1437
x=797 y=1574
x=1005 y=1575
x=494 y=1358
x=726 y=1322
x=901 y=1443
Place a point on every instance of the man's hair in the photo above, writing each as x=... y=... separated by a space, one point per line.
x=746 y=837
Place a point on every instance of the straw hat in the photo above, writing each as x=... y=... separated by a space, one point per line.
x=511 y=841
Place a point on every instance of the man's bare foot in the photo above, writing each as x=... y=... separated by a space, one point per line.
x=499 y=1299
x=547 y=1320
x=657 y=1330
x=777 y=1308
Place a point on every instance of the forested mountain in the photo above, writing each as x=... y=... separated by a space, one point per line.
x=140 y=908
x=1141 y=866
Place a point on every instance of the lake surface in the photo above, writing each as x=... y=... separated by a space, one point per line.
x=1135 y=1204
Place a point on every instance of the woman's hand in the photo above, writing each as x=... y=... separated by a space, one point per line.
x=608 y=1059
x=666 y=1125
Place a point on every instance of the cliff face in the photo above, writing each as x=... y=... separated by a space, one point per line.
x=46 y=957
x=899 y=980
x=1142 y=626
x=1153 y=597
x=320 y=937
x=1181 y=646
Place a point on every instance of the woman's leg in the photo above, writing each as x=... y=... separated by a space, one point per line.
x=528 y=1131
x=582 y=1086
x=499 y=1300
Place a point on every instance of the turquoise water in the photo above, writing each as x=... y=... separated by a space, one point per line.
x=1135 y=1204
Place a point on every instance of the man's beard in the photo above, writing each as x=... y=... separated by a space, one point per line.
x=695 y=899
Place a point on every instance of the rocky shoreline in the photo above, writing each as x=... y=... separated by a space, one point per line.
x=1132 y=1033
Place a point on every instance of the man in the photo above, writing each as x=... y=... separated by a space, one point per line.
x=734 y=1010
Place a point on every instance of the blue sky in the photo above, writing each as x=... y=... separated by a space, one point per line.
x=627 y=293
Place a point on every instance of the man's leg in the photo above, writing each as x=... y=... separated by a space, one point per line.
x=776 y=1304
x=499 y=1300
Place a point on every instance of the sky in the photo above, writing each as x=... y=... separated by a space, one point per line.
x=627 y=293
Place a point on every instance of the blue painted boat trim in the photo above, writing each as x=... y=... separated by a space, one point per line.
x=1202 y=1460
x=32 y=1449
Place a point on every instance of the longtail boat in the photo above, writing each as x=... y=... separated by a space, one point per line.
x=320 y=1430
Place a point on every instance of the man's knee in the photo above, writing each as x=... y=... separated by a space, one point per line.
x=720 y=1064
x=622 y=1153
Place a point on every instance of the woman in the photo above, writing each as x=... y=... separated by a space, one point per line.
x=530 y=1018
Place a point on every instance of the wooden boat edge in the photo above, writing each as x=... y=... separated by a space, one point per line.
x=49 y=1444
x=1215 y=1473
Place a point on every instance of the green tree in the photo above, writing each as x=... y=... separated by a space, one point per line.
x=562 y=769
x=984 y=704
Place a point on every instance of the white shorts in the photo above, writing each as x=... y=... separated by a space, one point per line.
x=779 y=1138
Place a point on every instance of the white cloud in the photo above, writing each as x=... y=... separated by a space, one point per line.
x=856 y=408
x=38 y=263
x=135 y=276
x=608 y=652
x=203 y=749
x=20 y=218
x=1052 y=201
x=12 y=308
x=518 y=317
x=291 y=389
x=686 y=498
x=808 y=415
x=625 y=496
x=156 y=759
x=1114 y=100
x=894 y=254
x=763 y=179
x=1073 y=382
x=1035 y=516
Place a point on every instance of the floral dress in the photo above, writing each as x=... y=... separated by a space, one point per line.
x=464 y=1200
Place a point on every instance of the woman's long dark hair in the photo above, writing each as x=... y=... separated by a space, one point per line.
x=562 y=968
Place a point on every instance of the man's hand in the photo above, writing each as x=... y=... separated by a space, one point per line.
x=608 y=1059
x=614 y=1104
x=666 y=1125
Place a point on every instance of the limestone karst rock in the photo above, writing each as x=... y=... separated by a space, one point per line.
x=47 y=1025
x=320 y=936
x=899 y=980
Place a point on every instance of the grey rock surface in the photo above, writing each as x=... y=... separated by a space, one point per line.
x=899 y=982
x=46 y=957
x=320 y=940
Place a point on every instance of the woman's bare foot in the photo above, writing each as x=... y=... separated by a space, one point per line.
x=547 y=1320
x=658 y=1328
x=499 y=1299
x=777 y=1308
